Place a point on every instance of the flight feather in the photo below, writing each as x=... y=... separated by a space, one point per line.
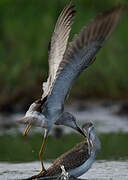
x=58 y=44
x=81 y=53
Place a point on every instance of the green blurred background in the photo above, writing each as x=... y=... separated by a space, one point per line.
x=19 y=149
x=25 y=31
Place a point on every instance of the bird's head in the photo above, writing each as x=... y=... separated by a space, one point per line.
x=88 y=128
x=69 y=120
x=92 y=139
x=34 y=120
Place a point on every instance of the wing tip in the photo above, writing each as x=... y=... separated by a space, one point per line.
x=99 y=29
x=118 y=9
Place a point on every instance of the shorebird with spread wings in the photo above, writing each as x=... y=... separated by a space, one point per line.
x=66 y=63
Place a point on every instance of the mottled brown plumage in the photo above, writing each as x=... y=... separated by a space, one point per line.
x=70 y=160
x=79 y=159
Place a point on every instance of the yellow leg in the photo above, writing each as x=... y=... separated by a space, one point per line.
x=27 y=129
x=43 y=171
x=41 y=152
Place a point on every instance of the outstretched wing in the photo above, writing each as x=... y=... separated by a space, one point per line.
x=58 y=44
x=81 y=53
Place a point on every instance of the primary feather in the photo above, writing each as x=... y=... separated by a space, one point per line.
x=58 y=44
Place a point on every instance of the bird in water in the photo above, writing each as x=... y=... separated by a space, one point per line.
x=66 y=63
x=79 y=159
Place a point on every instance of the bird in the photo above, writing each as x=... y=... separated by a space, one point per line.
x=66 y=63
x=77 y=160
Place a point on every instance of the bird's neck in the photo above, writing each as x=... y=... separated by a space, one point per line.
x=92 y=136
x=96 y=143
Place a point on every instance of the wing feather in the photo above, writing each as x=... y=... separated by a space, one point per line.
x=58 y=44
x=81 y=53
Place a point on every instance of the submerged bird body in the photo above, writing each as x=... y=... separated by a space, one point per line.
x=79 y=159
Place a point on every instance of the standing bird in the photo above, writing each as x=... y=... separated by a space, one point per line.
x=79 y=159
x=65 y=65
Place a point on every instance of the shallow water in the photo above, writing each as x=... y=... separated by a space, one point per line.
x=104 y=170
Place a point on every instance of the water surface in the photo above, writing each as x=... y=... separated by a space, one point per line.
x=101 y=170
x=19 y=155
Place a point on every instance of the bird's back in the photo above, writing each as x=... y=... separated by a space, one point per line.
x=70 y=160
